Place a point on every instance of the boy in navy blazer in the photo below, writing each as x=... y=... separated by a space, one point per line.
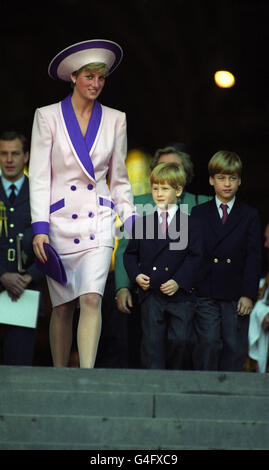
x=230 y=272
x=164 y=265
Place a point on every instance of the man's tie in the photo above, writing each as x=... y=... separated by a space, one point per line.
x=12 y=194
x=164 y=224
x=225 y=212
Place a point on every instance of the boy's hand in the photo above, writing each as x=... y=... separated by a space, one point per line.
x=143 y=281
x=169 y=287
x=244 y=306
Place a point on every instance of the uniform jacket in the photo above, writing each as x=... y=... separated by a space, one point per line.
x=155 y=258
x=18 y=220
x=71 y=200
x=121 y=276
x=231 y=261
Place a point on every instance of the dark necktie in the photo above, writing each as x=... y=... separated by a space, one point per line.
x=164 y=225
x=12 y=194
x=225 y=212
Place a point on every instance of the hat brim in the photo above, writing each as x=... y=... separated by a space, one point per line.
x=83 y=53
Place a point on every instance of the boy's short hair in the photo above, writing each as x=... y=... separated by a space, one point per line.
x=225 y=162
x=184 y=157
x=170 y=173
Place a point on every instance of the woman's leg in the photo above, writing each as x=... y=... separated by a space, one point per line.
x=60 y=331
x=89 y=328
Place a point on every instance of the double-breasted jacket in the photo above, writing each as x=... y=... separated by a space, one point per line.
x=77 y=185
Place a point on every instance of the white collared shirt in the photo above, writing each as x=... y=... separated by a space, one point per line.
x=228 y=204
x=171 y=212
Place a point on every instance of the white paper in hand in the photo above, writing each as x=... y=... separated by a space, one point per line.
x=22 y=312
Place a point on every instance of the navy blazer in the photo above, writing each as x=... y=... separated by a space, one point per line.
x=155 y=258
x=18 y=221
x=232 y=252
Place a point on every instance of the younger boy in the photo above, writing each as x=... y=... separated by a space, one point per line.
x=165 y=276
x=229 y=277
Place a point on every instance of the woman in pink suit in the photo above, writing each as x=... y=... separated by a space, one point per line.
x=78 y=181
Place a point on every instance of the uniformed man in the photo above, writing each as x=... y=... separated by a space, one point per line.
x=17 y=269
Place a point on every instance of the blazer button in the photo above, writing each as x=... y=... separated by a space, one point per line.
x=73 y=188
x=11 y=240
x=154 y=268
x=74 y=216
x=216 y=260
x=12 y=209
x=228 y=260
x=76 y=240
x=166 y=268
x=92 y=237
x=90 y=186
x=91 y=214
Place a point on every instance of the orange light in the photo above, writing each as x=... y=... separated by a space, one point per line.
x=224 y=79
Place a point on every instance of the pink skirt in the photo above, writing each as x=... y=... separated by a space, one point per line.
x=86 y=272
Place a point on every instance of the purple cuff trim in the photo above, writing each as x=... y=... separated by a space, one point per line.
x=106 y=202
x=56 y=206
x=129 y=223
x=40 y=227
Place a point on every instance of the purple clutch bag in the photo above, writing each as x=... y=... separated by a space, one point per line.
x=53 y=267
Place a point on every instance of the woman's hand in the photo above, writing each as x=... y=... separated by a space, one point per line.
x=124 y=300
x=38 y=242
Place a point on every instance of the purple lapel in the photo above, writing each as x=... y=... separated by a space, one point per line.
x=82 y=146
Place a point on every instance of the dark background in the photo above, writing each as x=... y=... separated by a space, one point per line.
x=165 y=83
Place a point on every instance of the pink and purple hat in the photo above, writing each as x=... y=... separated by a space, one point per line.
x=83 y=53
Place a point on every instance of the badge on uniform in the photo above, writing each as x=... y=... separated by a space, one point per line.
x=3 y=218
x=53 y=267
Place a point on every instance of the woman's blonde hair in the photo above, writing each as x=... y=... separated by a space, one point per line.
x=170 y=173
x=92 y=67
x=225 y=162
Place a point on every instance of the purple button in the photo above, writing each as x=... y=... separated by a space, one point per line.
x=91 y=214
x=73 y=187
x=74 y=216
x=90 y=186
x=92 y=237
x=76 y=240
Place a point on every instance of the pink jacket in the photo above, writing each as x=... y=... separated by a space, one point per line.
x=70 y=197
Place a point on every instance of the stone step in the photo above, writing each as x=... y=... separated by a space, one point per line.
x=49 y=408
x=124 y=404
x=145 y=381
x=140 y=433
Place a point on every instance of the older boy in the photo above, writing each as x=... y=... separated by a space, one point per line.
x=229 y=277
x=165 y=276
